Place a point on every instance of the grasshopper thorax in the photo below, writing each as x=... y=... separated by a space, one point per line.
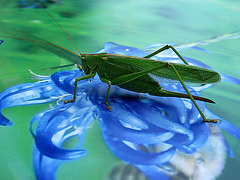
x=91 y=60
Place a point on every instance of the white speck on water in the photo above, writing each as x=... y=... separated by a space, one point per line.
x=36 y=21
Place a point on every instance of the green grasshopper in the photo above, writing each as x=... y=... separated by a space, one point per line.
x=136 y=73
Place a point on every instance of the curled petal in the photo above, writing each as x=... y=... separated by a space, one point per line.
x=4 y=121
x=46 y=146
x=54 y=124
x=32 y=93
x=44 y=167
x=25 y=94
x=65 y=79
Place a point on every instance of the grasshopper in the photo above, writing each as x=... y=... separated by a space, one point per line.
x=138 y=74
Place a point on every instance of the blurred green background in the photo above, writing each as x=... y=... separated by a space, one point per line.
x=91 y=23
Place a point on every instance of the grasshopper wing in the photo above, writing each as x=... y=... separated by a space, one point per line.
x=188 y=73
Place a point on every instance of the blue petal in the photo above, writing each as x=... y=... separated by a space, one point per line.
x=65 y=80
x=201 y=134
x=4 y=121
x=25 y=94
x=126 y=153
x=137 y=136
x=113 y=48
x=230 y=79
x=224 y=125
x=54 y=123
x=44 y=167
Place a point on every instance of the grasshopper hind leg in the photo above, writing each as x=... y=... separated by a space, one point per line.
x=191 y=97
x=165 y=48
x=181 y=81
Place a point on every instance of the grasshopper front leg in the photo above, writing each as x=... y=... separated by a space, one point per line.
x=108 y=91
x=88 y=76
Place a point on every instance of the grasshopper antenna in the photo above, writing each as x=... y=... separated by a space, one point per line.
x=58 y=25
x=41 y=42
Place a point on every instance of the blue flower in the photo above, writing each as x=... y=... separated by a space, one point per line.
x=34 y=4
x=137 y=125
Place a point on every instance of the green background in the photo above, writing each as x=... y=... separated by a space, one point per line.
x=128 y=22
